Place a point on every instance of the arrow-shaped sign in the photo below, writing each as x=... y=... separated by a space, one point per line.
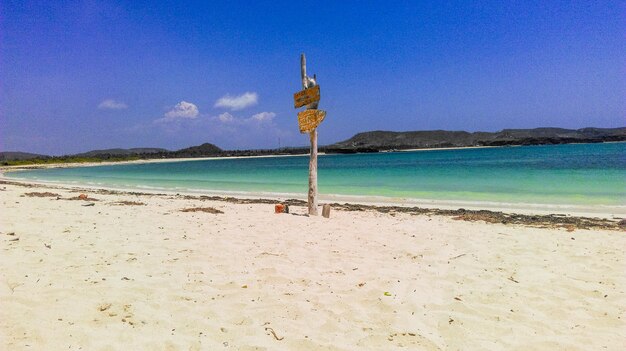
x=306 y=96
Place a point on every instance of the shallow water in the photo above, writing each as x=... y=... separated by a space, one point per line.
x=585 y=174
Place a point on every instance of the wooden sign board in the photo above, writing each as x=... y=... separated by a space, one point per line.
x=306 y=96
x=310 y=119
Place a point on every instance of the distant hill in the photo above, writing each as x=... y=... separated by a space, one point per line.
x=206 y=149
x=383 y=140
x=203 y=150
x=120 y=152
x=19 y=156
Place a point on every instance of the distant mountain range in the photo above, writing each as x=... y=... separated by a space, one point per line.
x=374 y=141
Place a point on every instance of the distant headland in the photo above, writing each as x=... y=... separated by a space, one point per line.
x=373 y=141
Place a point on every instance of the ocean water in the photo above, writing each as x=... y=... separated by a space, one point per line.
x=585 y=174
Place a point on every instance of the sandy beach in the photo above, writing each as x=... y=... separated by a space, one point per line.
x=136 y=272
x=266 y=176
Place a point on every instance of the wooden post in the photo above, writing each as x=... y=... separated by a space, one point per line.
x=308 y=121
x=326 y=211
x=312 y=198
x=313 y=174
x=303 y=71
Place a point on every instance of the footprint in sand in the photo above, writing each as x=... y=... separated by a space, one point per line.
x=408 y=339
x=126 y=312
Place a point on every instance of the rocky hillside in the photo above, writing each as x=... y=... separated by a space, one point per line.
x=383 y=140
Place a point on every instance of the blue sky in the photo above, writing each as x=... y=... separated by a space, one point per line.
x=82 y=75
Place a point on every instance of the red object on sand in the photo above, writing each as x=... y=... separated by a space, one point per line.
x=82 y=197
x=279 y=208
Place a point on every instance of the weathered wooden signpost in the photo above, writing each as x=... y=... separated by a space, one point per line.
x=308 y=120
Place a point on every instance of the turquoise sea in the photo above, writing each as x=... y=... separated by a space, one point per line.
x=585 y=174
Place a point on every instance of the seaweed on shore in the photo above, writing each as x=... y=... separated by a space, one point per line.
x=128 y=203
x=81 y=197
x=202 y=209
x=44 y=194
x=539 y=221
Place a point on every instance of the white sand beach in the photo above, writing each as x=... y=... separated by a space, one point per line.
x=146 y=276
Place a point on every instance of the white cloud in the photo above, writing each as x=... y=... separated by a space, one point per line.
x=235 y=103
x=252 y=121
x=182 y=109
x=263 y=116
x=226 y=117
x=110 y=104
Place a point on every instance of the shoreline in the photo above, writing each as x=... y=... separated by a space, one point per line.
x=578 y=210
x=534 y=217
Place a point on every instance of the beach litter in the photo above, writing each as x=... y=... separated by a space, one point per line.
x=281 y=208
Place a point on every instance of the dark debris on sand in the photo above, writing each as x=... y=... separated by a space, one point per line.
x=128 y=203
x=540 y=221
x=202 y=209
x=44 y=194
x=117 y=192
x=80 y=198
